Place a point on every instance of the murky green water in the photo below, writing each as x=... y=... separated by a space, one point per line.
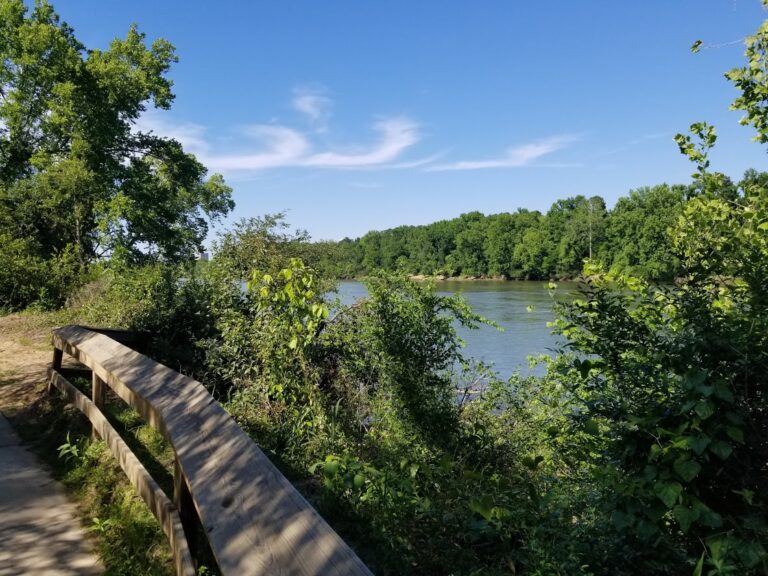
x=523 y=309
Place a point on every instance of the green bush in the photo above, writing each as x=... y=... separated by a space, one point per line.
x=27 y=279
x=168 y=305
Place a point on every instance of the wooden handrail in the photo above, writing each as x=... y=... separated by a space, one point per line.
x=154 y=497
x=256 y=522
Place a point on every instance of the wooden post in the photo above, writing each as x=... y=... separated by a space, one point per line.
x=58 y=356
x=97 y=397
x=182 y=498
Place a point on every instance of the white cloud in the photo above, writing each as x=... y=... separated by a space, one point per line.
x=314 y=105
x=515 y=157
x=397 y=134
x=283 y=147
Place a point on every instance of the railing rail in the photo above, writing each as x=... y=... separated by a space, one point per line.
x=256 y=522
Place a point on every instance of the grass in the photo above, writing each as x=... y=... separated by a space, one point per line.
x=128 y=539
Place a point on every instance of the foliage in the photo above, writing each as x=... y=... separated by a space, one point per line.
x=670 y=381
x=167 y=305
x=72 y=451
x=671 y=418
x=26 y=278
x=77 y=179
x=641 y=451
x=637 y=239
x=127 y=537
x=633 y=237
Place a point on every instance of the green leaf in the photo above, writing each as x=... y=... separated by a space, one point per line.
x=723 y=391
x=695 y=378
x=696 y=46
x=721 y=449
x=699 y=565
x=331 y=468
x=704 y=409
x=686 y=468
x=751 y=553
x=482 y=506
x=747 y=495
x=622 y=520
x=710 y=518
x=718 y=547
x=698 y=443
x=685 y=516
x=532 y=462
x=591 y=427
x=736 y=434
x=358 y=481
x=668 y=492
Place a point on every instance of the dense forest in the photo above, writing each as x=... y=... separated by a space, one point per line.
x=526 y=245
x=641 y=450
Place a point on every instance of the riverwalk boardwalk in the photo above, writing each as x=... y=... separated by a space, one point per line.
x=40 y=534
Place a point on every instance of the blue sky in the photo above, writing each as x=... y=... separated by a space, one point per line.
x=356 y=115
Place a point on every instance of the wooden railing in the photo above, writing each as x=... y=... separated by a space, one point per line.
x=254 y=519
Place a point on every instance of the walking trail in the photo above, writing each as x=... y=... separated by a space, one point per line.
x=40 y=533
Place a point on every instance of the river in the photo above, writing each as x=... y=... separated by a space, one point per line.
x=522 y=309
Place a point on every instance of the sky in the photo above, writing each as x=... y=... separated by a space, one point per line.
x=357 y=115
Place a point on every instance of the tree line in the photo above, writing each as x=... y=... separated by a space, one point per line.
x=641 y=450
x=633 y=238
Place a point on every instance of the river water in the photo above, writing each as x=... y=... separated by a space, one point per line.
x=522 y=309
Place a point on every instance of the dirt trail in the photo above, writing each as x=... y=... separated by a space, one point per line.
x=25 y=352
x=40 y=533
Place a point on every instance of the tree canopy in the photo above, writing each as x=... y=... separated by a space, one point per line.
x=76 y=175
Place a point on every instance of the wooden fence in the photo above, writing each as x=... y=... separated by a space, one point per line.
x=254 y=519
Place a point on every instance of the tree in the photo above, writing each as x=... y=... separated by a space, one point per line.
x=468 y=258
x=637 y=232
x=670 y=382
x=573 y=227
x=74 y=171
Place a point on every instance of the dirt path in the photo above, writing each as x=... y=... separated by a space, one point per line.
x=39 y=530
x=25 y=351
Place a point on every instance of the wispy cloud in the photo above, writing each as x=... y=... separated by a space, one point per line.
x=283 y=147
x=623 y=147
x=259 y=147
x=515 y=157
x=314 y=104
x=253 y=149
x=397 y=134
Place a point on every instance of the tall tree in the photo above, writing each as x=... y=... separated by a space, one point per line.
x=74 y=171
x=637 y=232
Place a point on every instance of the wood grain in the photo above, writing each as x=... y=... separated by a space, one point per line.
x=255 y=520
x=157 y=501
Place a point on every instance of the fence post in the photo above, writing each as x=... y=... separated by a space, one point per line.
x=186 y=507
x=58 y=356
x=98 y=392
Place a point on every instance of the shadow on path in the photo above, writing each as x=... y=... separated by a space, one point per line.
x=39 y=531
